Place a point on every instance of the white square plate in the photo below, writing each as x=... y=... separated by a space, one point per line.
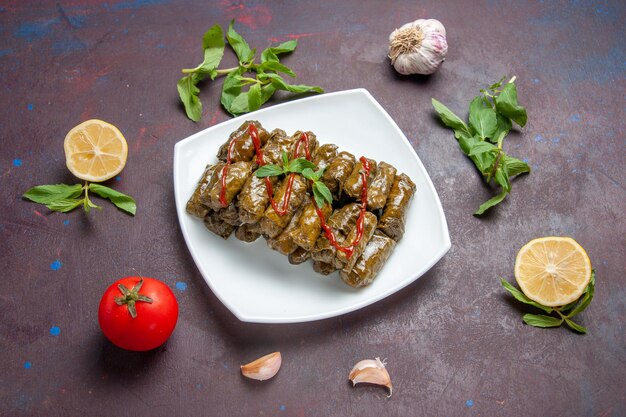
x=258 y=284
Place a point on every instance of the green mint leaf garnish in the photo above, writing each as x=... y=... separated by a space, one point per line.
x=450 y=119
x=321 y=193
x=271 y=53
x=121 y=201
x=46 y=194
x=239 y=44
x=297 y=165
x=269 y=171
x=490 y=203
x=482 y=119
x=586 y=297
x=308 y=174
x=577 y=327
x=507 y=105
x=64 y=206
x=520 y=296
x=276 y=67
x=188 y=92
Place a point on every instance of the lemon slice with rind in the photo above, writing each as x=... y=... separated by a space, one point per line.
x=553 y=271
x=95 y=151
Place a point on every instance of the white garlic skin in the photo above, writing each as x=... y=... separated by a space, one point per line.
x=263 y=368
x=424 y=58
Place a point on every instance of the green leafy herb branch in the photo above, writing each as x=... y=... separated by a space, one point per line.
x=490 y=119
x=563 y=314
x=261 y=87
x=65 y=198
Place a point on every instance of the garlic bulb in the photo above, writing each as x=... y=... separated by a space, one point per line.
x=263 y=368
x=418 y=47
x=371 y=371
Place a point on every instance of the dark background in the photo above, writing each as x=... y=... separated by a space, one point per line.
x=454 y=340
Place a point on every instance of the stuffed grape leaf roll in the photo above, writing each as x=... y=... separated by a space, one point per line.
x=236 y=176
x=198 y=204
x=243 y=148
x=370 y=262
x=272 y=223
x=393 y=219
x=380 y=186
x=337 y=172
x=354 y=183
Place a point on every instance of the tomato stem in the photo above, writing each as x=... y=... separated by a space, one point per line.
x=130 y=297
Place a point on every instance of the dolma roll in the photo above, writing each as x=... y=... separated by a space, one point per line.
x=323 y=268
x=299 y=148
x=197 y=205
x=276 y=144
x=229 y=214
x=369 y=227
x=254 y=198
x=299 y=256
x=324 y=154
x=243 y=148
x=378 y=190
x=284 y=243
x=341 y=222
x=337 y=173
x=272 y=223
x=248 y=232
x=236 y=176
x=354 y=183
x=217 y=226
x=371 y=261
x=393 y=218
x=309 y=226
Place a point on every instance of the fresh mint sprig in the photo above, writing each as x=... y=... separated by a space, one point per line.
x=295 y=166
x=234 y=99
x=491 y=117
x=65 y=198
x=564 y=313
x=321 y=193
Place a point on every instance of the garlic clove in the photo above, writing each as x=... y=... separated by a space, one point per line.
x=371 y=371
x=263 y=368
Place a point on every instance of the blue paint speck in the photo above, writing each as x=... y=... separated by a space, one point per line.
x=55 y=331
x=4 y=52
x=17 y=162
x=198 y=386
x=536 y=80
x=575 y=118
x=67 y=46
x=181 y=286
x=525 y=160
x=539 y=138
x=469 y=403
x=556 y=140
x=282 y=408
x=35 y=30
x=27 y=365
x=161 y=46
x=66 y=222
x=118 y=178
x=56 y=265
x=136 y=4
x=30 y=106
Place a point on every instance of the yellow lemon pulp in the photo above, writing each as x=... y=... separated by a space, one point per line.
x=552 y=271
x=95 y=151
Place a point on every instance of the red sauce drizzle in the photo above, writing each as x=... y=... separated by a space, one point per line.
x=330 y=235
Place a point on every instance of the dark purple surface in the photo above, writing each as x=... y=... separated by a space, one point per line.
x=454 y=340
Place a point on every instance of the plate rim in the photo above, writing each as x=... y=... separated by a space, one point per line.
x=336 y=312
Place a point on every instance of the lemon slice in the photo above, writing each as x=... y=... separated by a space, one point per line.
x=552 y=271
x=95 y=151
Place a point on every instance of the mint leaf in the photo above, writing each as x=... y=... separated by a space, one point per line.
x=503 y=127
x=308 y=174
x=64 y=205
x=121 y=201
x=188 y=92
x=241 y=104
x=520 y=296
x=587 y=296
x=481 y=147
x=577 y=327
x=490 y=203
x=239 y=44
x=285 y=161
x=254 y=97
x=515 y=166
x=269 y=171
x=46 y=194
x=231 y=89
x=507 y=105
x=280 y=84
x=450 y=119
x=321 y=193
x=213 y=45
x=466 y=143
x=276 y=67
x=271 y=53
x=297 y=165
x=502 y=178
x=539 y=320
x=482 y=119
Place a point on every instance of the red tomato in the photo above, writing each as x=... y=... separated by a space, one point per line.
x=155 y=310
